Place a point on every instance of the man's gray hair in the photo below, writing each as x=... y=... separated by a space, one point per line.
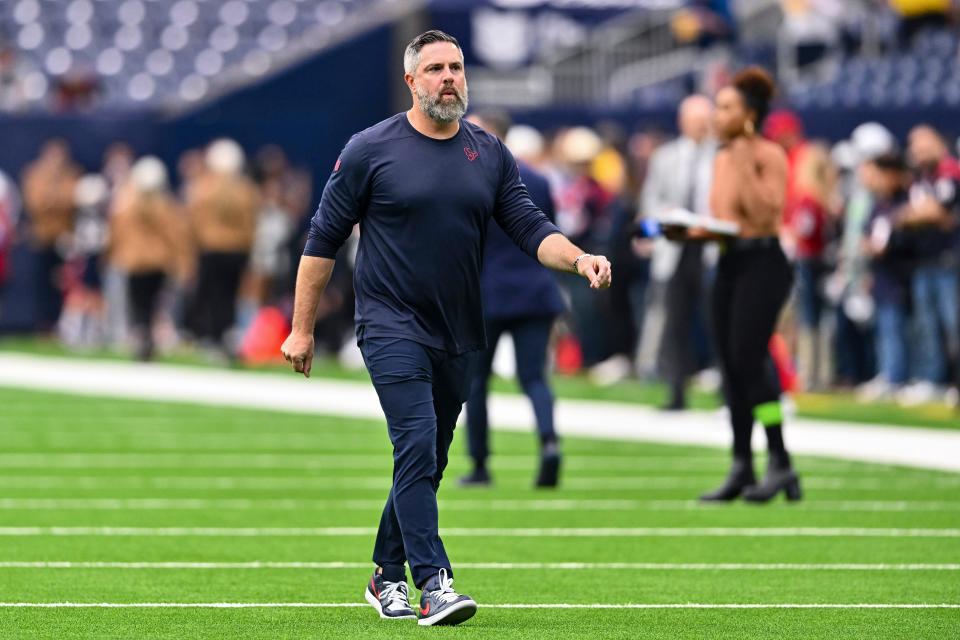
x=411 y=56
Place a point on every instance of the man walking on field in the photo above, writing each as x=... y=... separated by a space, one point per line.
x=422 y=185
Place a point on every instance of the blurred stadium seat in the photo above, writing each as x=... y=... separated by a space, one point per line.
x=146 y=52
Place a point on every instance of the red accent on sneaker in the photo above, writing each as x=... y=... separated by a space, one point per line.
x=373 y=587
x=425 y=611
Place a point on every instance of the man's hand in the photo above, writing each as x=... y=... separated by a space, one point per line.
x=297 y=349
x=596 y=269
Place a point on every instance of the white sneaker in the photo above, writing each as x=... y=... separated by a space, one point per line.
x=952 y=398
x=709 y=380
x=611 y=371
x=876 y=389
x=918 y=393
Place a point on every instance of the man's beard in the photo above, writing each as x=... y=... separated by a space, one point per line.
x=439 y=110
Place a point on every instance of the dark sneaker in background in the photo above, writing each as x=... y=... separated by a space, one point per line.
x=479 y=477
x=441 y=605
x=549 y=475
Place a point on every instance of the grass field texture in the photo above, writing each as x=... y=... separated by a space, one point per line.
x=838 y=405
x=126 y=502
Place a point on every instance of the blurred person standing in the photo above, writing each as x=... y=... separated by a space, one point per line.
x=423 y=186
x=286 y=195
x=191 y=165
x=148 y=242
x=81 y=323
x=752 y=284
x=849 y=286
x=582 y=206
x=49 y=185
x=680 y=176
x=932 y=217
x=117 y=162
x=622 y=309
x=222 y=206
x=893 y=257
x=520 y=297
x=809 y=220
x=785 y=128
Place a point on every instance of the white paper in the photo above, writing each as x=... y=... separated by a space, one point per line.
x=679 y=217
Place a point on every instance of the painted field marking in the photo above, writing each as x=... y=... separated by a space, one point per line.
x=496 y=566
x=449 y=504
x=543 y=532
x=578 y=483
x=345 y=605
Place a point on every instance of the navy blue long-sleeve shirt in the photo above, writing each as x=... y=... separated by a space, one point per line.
x=423 y=206
x=513 y=285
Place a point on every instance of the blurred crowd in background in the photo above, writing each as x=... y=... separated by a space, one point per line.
x=132 y=256
x=142 y=257
x=149 y=258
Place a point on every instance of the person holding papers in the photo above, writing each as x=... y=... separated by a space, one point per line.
x=753 y=281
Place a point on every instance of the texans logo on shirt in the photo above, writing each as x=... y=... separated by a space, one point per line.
x=471 y=154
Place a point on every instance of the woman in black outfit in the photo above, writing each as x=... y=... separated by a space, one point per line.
x=752 y=284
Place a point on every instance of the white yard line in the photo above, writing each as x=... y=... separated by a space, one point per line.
x=375 y=460
x=315 y=481
x=858 y=483
x=926 y=448
x=496 y=566
x=557 y=505
x=350 y=605
x=479 y=532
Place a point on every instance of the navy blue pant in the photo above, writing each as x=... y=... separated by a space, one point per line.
x=530 y=338
x=421 y=390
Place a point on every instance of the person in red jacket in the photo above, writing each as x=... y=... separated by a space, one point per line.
x=807 y=224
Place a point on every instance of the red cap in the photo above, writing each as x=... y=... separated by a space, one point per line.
x=782 y=123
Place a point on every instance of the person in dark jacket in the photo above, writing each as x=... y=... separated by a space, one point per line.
x=520 y=297
x=892 y=251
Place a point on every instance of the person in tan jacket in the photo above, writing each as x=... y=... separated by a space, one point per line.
x=49 y=184
x=222 y=206
x=149 y=241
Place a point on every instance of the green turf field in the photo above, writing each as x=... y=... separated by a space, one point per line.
x=837 y=405
x=116 y=501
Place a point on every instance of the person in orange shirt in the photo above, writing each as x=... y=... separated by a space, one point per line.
x=149 y=242
x=222 y=206
x=49 y=184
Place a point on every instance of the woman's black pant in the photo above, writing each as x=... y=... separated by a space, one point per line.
x=752 y=285
x=218 y=281
x=144 y=289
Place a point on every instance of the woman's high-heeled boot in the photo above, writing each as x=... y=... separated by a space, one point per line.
x=777 y=479
x=740 y=477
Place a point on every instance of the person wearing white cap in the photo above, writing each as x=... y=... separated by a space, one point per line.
x=147 y=241
x=848 y=288
x=222 y=205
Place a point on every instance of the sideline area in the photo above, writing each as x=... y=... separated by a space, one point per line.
x=912 y=446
